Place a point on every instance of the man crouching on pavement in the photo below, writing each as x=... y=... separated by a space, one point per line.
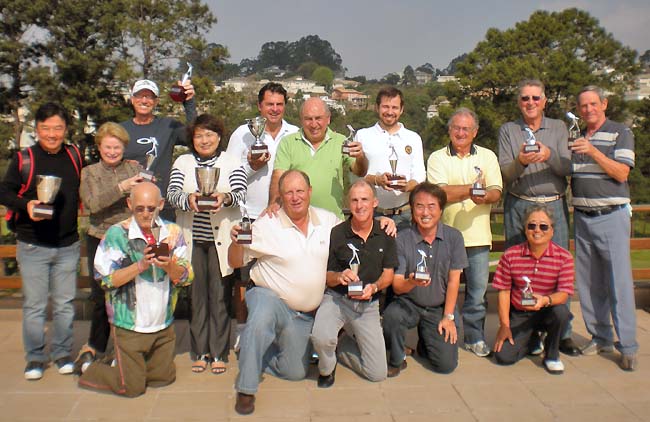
x=141 y=285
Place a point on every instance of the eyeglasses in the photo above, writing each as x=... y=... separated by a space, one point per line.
x=465 y=129
x=208 y=134
x=145 y=97
x=525 y=98
x=141 y=208
x=542 y=226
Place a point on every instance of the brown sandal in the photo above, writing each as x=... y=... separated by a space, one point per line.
x=200 y=364
x=217 y=366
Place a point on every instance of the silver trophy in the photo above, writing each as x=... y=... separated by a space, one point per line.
x=574 y=130
x=46 y=189
x=345 y=148
x=206 y=180
x=527 y=298
x=395 y=181
x=421 y=271
x=147 y=174
x=478 y=188
x=158 y=248
x=177 y=92
x=531 y=142
x=355 y=288
x=245 y=233
x=256 y=126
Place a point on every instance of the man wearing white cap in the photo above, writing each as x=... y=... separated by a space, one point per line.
x=155 y=135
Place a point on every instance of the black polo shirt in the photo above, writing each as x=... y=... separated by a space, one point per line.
x=447 y=252
x=376 y=254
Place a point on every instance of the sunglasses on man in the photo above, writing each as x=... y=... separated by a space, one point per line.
x=542 y=226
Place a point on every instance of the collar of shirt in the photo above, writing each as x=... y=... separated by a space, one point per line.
x=349 y=233
x=287 y=223
x=550 y=250
x=328 y=136
x=451 y=151
x=417 y=236
x=381 y=130
x=136 y=233
x=523 y=125
x=285 y=129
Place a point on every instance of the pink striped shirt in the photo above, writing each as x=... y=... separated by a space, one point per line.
x=552 y=272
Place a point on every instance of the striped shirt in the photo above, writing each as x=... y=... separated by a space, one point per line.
x=201 y=225
x=591 y=186
x=552 y=272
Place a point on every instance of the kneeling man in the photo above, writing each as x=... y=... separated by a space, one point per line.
x=141 y=294
x=362 y=261
x=533 y=278
x=431 y=258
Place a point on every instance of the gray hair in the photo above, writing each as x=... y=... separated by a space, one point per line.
x=593 y=88
x=362 y=182
x=463 y=111
x=531 y=82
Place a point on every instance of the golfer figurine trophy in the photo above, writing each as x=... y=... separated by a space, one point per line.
x=147 y=174
x=159 y=248
x=531 y=142
x=478 y=188
x=527 y=298
x=355 y=288
x=574 y=129
x=345 y=148
x=421 y=271
x=177 y=92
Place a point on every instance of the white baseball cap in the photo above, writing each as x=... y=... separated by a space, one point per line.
x=143 y=84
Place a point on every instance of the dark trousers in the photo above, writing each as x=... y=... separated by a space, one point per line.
x=100 y=329
x=210 y=323
x=553 y=320
x=142 y=360
x=402 y=315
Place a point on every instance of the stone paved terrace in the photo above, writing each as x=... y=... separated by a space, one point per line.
x=592 y=389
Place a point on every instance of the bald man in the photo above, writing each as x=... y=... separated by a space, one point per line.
x=142 y=288
x=316 y=150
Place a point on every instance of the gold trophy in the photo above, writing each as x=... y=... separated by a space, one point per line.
x=531 y=142
x=574 y=130
x=395 y=180
x=147 y=174
x=158 y=248
x=256 y=126
x=478 y=188
x=46 y=189
x=345 y=148
x=527 y=298
x=245 y=233
x=355 y=288
x=206 y=180
x=421 y=271
x=177 y=92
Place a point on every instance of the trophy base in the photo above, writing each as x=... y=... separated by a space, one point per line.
x=345 y=149
x=571 y=142
x=477 y=192
x=43 y=211
x=531 y=148
x=528 y=302
x=422 y=277
x=205 y=203
x=396 y=181
x=258 y=150
x=146 y=175
x=245 y=237
x=355 y=288
x=177 y=94
x=160 y=249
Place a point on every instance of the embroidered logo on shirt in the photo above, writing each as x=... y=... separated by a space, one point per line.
x=408 y=149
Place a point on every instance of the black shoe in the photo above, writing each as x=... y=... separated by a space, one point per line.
x=568 y=347
x=245 y=404
x=326 y=381
x=82 y=362
x=394 y=371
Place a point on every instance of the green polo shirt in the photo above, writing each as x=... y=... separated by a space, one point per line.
x=325 y=167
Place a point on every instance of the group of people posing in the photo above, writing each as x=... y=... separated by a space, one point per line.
x=347 y=288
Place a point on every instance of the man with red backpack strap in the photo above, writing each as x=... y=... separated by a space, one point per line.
x=47 y=249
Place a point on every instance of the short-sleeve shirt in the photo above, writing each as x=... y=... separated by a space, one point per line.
x=591 y=186
x=446 y=253
x=325 y=167
x=376 y=253
x=446 y=167
x=377 y=143
x=291 y=264
x=552 y=272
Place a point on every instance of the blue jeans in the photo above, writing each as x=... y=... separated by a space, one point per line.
x=53 y=272
x=275 y=340
x=476 y=281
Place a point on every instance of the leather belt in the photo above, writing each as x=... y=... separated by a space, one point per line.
x=601 y=211
x=388 y=212
x=541 y=198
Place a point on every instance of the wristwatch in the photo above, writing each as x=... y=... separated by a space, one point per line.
x=450 y=317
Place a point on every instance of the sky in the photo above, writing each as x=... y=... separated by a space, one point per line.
x=376 y=37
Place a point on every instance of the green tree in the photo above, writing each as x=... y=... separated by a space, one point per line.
x=314 y=49
x=208 y=60
x=307 y=69
x=639 y=176
x=323 y=75
x=390 y=79
x=408 y=76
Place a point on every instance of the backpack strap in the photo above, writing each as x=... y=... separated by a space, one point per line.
x=76 y=159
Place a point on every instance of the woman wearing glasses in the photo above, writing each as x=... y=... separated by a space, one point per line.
x=206 y=228
x=104 y=188
x=533 y=278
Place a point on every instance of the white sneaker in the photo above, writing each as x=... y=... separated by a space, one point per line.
x=554 y=367
x=480 y=349
x=65 y=365
x=34 y=371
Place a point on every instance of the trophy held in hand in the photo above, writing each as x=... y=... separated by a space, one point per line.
x=206 y=180
x=46 y=189
x=256 y=127
x=574 y=130
x=245 y=233
x=478 y=188
x=177 y=92
x=158 y=248
x=527 y=298
x=355 y=288
x=395 y=181
x=345 y=148
x=531 y=142
x=147 y=174
x=421 y=271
